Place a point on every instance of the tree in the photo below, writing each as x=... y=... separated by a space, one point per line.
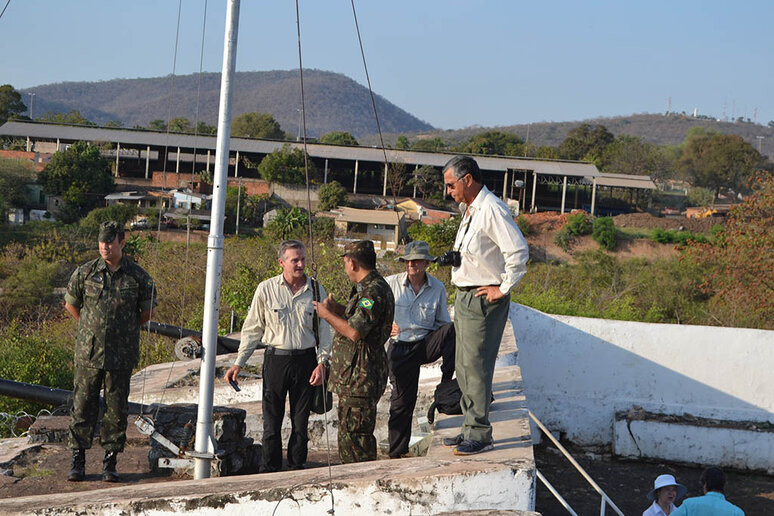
x=427 y=179
x=402 y=142
x=257 y=125
x=630 y=155
x=114 y=123
x=739 y=262
x=14 y=176
x=718 y=161
x=396 y=178
x=285 y=165
x=331 y=195
x=80 y=175
x=585 y=141
x=157 y=124
x=10 y=103
x=339 y=138
x=429 y=145
x=288 y=224
x=202 y=128
x=543 y=152
x=180 y=125
x=493 y=142
x=74 y=117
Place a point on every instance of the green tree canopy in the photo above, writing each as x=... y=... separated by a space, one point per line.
x=10 y=103
x=180 y=125
x=285 y=165
x=427 y=179
x=585 y=142
x=339 y=138
x=402 y=142
x=80 y=175
x=429 y=144
x=14 y=176
x=74 y=117
x=718 y=161
x=493 y=142
x=157 y=124
x=331 y=195
x=257 y=125
x=630 y=155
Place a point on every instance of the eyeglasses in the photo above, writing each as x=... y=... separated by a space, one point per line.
x=451 y=185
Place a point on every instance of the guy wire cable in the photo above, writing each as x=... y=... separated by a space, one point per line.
x=332 y=510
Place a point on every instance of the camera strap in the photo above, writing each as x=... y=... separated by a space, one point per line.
x=467 y=227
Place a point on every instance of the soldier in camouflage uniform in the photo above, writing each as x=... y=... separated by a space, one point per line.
x=110 y=297
x=358 y=359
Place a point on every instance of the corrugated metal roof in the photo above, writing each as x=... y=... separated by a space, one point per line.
x=372 y=154
x=316 y=150
x=347 y=214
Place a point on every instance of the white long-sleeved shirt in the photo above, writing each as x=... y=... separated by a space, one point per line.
x=417 y=314
x=493 y=249
x=281 y=319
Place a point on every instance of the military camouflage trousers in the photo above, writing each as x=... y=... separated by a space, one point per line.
x=357 y=420
x=83 y=416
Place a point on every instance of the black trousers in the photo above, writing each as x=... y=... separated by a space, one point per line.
x=405 y=360
x=285 y=375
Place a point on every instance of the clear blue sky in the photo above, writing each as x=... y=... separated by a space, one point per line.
x=452 y=63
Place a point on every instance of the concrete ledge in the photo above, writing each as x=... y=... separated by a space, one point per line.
x=695 y=440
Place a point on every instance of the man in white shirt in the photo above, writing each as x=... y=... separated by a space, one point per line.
x=493 y=258
x=281 y=317
x=422 y=332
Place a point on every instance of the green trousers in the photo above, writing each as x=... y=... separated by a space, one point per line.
x=83 y=417
x=357 y=421
x=479 y=325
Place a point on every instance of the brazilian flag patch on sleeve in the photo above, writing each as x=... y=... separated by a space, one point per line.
x=366 y=303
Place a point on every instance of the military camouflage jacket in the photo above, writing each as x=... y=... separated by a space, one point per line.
x=359 y=368
x=110 y=303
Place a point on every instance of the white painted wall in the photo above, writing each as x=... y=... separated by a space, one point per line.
x=578 y=372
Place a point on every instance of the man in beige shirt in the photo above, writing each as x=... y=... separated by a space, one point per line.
x=281 y=317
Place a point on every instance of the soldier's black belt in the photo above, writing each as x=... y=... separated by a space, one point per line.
x=271 y=350
x=468 y=289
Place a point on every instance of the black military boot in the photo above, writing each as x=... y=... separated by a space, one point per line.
x=78 y=467
x=109 y=473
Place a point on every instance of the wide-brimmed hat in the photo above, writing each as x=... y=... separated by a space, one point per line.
x=416 y=250
x=664 y=481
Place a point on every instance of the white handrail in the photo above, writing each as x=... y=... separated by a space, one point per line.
x=605 y=499
x=555 y=492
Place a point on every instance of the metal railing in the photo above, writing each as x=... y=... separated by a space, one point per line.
x=605 y=499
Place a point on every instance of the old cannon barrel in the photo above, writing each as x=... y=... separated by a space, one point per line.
x=225 y=344
x=43 y=394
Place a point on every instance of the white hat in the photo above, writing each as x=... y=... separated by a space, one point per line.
x=664 y=481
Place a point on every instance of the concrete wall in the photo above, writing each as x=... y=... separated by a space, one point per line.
x=579 y=372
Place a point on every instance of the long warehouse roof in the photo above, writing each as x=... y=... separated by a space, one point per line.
x=134 y=137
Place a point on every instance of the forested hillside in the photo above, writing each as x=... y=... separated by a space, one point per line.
x=333 y=102
x=650 y=128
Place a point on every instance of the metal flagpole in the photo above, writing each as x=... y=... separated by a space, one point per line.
x=204 y=438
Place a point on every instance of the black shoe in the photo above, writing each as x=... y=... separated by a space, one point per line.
x=109 y=473
x=295 y=467
x=453 y=441
x=78 y=467
x=468 y=447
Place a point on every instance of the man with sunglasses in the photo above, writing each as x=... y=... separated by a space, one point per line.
x=493 y=258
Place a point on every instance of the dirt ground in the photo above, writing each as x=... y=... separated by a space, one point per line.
x=628 y=482
x=43 y=470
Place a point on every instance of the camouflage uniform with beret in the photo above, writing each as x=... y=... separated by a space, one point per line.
x=359 y=368
x=109 y=305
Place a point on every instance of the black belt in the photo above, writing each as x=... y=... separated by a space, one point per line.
x=474 y=287
x=271 y=350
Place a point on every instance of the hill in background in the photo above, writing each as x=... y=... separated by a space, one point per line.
x=334 y=102
x=652 y=128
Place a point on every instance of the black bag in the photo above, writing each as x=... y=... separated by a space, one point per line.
x=322 y=398
x=446 y=399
